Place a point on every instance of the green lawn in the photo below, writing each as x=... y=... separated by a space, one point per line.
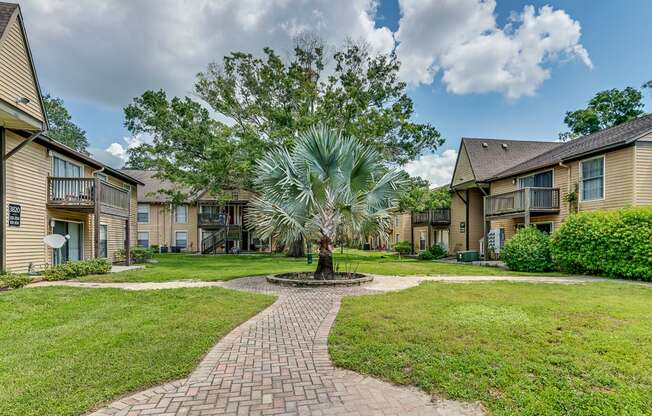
x=63 y=351
x=519 y=348
x=225 y=267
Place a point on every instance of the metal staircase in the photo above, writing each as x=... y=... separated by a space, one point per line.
x=212 y=241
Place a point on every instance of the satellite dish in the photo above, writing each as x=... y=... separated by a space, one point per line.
x=54 y=240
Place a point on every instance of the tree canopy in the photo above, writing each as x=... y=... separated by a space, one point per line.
x=186 y=145
x=272 y=100
x=606 y=109
x=61 y=127
x=418 y=196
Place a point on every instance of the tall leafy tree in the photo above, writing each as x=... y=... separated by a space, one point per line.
x=272 y=100
x=186 y=145
x=417 y=196
x=606 y=109
x=61 y=125
x=325 y=182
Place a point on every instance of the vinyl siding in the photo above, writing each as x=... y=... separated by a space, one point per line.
x=619 y=187
x=643 y=172
x=162 y=226
x=403 y=231
x=463 y=171
x=16 y=77
x=27 y=171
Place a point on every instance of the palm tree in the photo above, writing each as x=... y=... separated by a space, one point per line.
x=324 y=182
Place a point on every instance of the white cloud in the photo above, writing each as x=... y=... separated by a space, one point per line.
x=118 y=152
x=461 y=39
x=109 y=51
x=436 y=168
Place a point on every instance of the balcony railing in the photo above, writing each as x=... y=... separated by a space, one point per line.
x=523 y=201
x=210 y=219
x=80 y=193
x=437 y=216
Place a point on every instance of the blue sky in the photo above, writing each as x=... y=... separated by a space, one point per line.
x=616 y=36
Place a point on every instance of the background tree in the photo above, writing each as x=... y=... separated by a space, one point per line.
x=61 y=127
x=418 y=196
x=324 y=182
x=272 y=101
x=606 y=109
x=187 y=146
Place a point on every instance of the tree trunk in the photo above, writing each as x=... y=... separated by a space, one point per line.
x=296 y=249
x=325 y=263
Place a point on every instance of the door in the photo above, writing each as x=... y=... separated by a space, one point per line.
x=104 y=247
x=72 y=249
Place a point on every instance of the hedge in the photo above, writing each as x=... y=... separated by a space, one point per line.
x=139 y=254
x=528 y=251
x=609 y=243
x=403 y=247
x=70 y=270
x=13 y=281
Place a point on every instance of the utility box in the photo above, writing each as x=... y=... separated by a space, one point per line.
x=468 y=256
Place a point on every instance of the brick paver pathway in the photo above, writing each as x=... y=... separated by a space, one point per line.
x=278 y=363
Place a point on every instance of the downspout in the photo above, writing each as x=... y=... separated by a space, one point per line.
x=96 y=225
x=568 y=169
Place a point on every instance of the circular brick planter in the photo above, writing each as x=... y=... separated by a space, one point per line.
x=304 y=279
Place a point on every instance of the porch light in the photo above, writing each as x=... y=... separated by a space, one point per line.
x=22 y=100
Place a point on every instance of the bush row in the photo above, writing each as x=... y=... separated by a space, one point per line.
x=13 y=281
x=609 y=243
x=434 y=252
x=70 y=270
x=139 y=254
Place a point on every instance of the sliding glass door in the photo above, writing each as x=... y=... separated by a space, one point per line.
x=72 y=250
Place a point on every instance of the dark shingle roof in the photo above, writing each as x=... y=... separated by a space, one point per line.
x=488 y=157
x=150 y=191
x=619 y=135
x=6 y=11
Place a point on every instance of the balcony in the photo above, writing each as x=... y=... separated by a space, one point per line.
x=523 y=201
x=80 y=194
x=437 y=216
x=216 y=219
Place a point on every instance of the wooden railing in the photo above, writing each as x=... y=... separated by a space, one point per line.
x=71 y=191
x=523 y=200
x=216 y=219
x=81 y=193
x=437 y=216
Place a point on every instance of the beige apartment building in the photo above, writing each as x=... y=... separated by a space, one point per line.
x=47 y=187
x=201 y=224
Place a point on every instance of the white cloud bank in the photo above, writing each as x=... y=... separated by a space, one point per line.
x=461 y=39
x=109 y=51
x=437 y=168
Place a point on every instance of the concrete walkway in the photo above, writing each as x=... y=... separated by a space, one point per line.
x=379 y=284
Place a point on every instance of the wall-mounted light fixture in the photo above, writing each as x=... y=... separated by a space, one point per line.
x=22 y=100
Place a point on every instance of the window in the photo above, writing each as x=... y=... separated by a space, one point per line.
x=397 y=222
x=422 y=240
x=397 y=238
x=538 y=180
x=104 y=247
x=143 y=239
x=143 y=213
x=592 y=183
x=181 y=216
x=65 y=169
x=181 y=238
x=103 y=177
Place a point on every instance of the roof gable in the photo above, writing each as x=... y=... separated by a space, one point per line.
x=487 y=157
x=17 y=74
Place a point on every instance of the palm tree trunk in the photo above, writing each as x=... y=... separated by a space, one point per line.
x=325 y=263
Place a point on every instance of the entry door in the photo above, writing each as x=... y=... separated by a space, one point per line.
x=72 y=249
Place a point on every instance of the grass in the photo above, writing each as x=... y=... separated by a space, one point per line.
x=225 y=267
x=66 y=350
x=519 y=348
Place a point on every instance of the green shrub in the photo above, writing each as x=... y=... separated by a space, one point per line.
x=426 y=255
x=437 y=251
x=610 y=243
x=154 y=248
x=73 y=269
x=528 y=251
x=403 y=247
x=139 y=254
x=13 y=281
